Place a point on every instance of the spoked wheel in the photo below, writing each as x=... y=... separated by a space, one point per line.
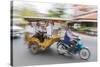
x=84 y=54
x=34 y=48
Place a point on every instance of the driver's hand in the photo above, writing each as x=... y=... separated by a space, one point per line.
x=75 y=38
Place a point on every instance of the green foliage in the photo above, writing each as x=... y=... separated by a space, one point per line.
x=28 y=12
x=57 y=11
x=23 y=23
x=84 y=29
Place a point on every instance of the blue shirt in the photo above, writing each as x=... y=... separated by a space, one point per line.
x=67 y=37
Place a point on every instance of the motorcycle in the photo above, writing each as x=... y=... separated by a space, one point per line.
x=79 y=48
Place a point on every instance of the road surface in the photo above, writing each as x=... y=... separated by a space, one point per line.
x=22 y=56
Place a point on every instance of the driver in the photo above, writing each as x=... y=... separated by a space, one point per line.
x=69 y=37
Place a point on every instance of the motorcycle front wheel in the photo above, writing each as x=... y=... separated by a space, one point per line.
x=84 y=53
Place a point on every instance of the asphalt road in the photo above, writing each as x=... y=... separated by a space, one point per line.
x=22 y=56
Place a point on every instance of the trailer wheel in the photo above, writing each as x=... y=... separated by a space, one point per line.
x=34 y=48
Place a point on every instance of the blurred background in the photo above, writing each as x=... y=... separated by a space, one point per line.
x=82 y=18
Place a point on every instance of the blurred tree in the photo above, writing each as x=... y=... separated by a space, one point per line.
x=23 y=23
x=57 y=11
x=28 y=12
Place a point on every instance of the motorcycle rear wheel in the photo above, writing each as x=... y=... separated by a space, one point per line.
x=61 y=49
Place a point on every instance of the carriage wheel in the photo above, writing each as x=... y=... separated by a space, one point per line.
x=34 y=48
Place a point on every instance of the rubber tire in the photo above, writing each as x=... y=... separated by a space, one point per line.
x=88 y=53
x=59 y=51
x=34 y=48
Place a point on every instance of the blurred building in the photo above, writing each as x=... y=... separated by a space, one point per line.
x=85 y=16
